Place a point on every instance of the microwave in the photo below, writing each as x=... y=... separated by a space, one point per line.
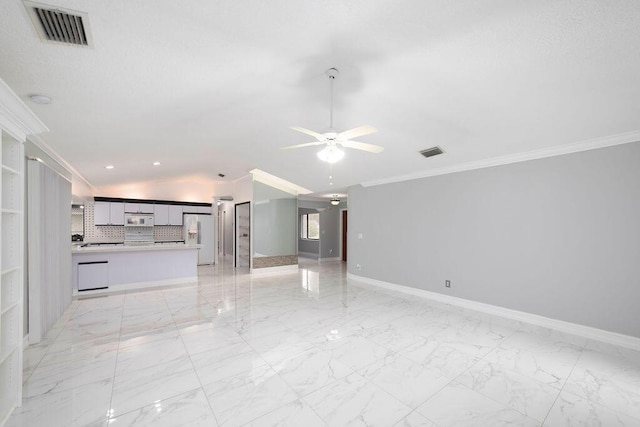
x=137 y=220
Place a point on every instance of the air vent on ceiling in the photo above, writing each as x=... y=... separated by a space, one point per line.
x=61 y=26
x=433 y=151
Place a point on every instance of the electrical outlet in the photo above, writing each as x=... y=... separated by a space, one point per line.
x=358 y=267
x=447 y=283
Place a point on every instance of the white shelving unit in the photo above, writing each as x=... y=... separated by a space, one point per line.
x=16 y=123
x=11 y=267
x=243 y=235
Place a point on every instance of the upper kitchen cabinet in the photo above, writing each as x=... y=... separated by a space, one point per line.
x=108 y=213
x=139 y=208
x=175 y=215
x=167 y=214
x=161 y=214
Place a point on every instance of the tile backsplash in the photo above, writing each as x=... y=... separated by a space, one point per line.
x=115 y=233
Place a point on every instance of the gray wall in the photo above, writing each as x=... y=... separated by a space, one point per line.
x=557 y=237
x=274 y=227
x=274 y=221
x=330 y=217
x=330 y=231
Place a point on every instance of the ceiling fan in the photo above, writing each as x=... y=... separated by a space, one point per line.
x=334 y=140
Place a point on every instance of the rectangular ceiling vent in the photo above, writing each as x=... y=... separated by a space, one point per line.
x=433 y=151
x=60 y=26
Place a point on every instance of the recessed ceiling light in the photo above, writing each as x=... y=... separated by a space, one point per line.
x=40 y=99
x=156 y=163
x=109 y=167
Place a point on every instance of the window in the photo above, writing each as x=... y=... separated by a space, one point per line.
x=310 y=226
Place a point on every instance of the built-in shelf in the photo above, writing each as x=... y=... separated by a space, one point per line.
x=243 y=233
x=16 y=123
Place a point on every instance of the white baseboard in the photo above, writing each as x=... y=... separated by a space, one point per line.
x=533 y=319
x=329 y=259
x=278 y=269
x=114 y=289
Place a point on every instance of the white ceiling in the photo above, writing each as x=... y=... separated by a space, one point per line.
x=210 y=87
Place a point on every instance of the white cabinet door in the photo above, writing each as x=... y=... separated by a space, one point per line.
x=101 y=213
x=204 y=209
x=116 y=211
x=138 y=207
x=175 y=215
x=161 y=214
x=146 y=208
x=132 y=207
x=93 y=275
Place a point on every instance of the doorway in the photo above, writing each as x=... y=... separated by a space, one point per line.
x=221 y=221
x=344 y=235
x=242 y=234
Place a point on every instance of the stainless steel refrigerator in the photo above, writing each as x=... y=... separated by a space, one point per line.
x=200 y=230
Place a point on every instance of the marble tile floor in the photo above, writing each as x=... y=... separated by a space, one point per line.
x=311 y=348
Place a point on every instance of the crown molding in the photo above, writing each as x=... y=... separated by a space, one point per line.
x=15 y=117
x=560 y=150
x=39 y=142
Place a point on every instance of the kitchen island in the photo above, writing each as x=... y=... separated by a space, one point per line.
x=113 y=268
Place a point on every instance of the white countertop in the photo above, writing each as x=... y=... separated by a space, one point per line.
x=149 y=248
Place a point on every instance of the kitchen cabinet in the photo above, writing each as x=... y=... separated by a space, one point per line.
x=175 y=215
x=139 y=207
x=93 y=275
x=167 y=214
x=204 y=209
x=108 y=213
x=161 y=214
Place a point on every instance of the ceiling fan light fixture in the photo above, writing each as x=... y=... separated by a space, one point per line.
x=335 y=201
x=330 y=154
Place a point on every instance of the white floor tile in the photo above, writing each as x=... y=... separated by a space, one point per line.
x=570 y=410
x=311 y=348
x=295 y=414
x=407 y=381
x=312 y=370
x=353 y=401
x=245 y=397
x=143 y=387
x=456 y=405
x=187 y=409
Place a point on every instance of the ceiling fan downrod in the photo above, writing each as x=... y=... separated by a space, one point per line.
x=332 y=73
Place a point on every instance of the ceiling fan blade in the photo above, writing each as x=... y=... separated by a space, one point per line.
x=356 y=132
x=362 y=146
x=316 y=135
x=308 y=144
